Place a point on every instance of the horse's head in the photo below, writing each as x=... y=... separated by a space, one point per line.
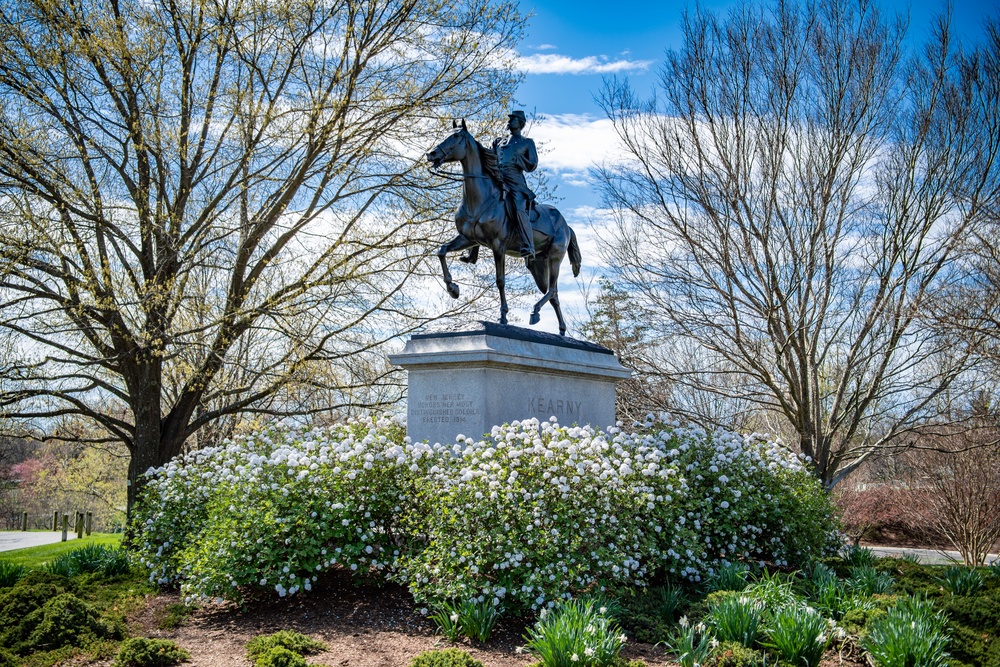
x=454 y=148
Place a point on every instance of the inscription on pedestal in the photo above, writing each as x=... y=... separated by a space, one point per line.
x=445 y=408
x=558 y=407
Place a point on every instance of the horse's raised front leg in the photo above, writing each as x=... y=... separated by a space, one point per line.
x=500 y=262
x=456 y=244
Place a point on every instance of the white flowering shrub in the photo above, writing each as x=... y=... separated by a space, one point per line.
x=538 y=513
x=275 y=509
x=542 y=512
x=533 y=514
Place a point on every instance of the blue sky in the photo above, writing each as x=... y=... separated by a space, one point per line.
x=571 y=45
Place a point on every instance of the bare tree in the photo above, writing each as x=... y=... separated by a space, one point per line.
x=206 y=203
x=961 y=492
x=792 y=198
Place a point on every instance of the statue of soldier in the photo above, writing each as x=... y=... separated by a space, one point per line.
x=515 y=155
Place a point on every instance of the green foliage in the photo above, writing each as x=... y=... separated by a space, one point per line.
x=532 y=513
x=910 y=635
x=142 y=652
x=36 y=557
x=981 y=611
x=279 y=656
x=773 y=590
x=8 y=659
x=960 y=580
x=445 y=617
x=107 y=560
x=733 y=654
x=691 y=644
x=286 y=639
x=11 y=573
x=648 y=615
x=866 y=580
x=473 y=618
x=175 y=616
x=737 y=618
x=856 y=621
x=449 y=657
x=728 y=577
x=798 y=635
x=575 y=634
x=65 y=620
x=858 y=556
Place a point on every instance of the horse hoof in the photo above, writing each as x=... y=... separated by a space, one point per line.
x=453 y=290
x=535 y=318
x=503 y=320
x=562 y=332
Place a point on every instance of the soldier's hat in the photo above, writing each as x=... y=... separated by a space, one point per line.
x=518 y=114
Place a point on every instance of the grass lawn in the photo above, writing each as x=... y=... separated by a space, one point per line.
x=36 y=556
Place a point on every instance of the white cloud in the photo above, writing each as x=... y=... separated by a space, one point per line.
x=553 y=63
x=573 y=143
x=545 y=47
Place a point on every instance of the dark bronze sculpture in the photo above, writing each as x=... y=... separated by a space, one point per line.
x=483 y=218
x=515 y=155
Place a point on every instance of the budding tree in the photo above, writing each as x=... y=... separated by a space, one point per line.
x=792 y=199
x=206 y=203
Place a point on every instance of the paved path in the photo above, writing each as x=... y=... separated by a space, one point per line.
x=15 y=539
x=927 y=556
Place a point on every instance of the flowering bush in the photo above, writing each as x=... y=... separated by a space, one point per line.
x=274 y=509
x=532 y=514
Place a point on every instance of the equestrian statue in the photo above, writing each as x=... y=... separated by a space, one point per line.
x=499 y=212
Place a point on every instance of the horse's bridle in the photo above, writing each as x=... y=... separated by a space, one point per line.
x=451 y=176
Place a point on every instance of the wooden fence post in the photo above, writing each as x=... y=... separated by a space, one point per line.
x=55 y=520
x=24 y=521
x=79 y=525
x=90 y=522
x=65 y=526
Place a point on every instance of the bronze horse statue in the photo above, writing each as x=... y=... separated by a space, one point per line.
x=482 y=221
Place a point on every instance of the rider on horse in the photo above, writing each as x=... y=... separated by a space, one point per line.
x=515 y=155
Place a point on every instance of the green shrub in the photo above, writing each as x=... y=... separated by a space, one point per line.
x=449 y=657
x=733 y=654
x=799 y=635
x=691 y=644
x=856 y=621
x=286 y=639
x=737 y=618
x=8 y=659
x=981 y=612
x=648 y=615
x=279 y=656
x=11 y=573
x=142 y=652
x=575 y=634
x=909 y=635
x=65 y=620
x=962 y=580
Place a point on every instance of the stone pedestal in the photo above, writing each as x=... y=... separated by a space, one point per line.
x=473 y=376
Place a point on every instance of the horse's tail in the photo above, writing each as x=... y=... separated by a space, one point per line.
x=575 y=258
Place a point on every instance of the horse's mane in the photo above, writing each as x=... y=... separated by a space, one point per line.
x=488 y=158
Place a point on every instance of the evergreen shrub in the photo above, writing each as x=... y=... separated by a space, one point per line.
x=142 y=652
